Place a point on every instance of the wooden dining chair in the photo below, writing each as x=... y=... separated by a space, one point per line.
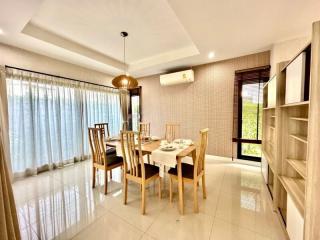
x=105 y=129
x=134 y=167
x=193 y=173
x=125 y=126
x=172 y=131
x=101 y=158
x=144 y=129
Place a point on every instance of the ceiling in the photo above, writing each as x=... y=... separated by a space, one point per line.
x=163 y=35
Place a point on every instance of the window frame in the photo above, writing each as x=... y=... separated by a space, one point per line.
x=240 y=139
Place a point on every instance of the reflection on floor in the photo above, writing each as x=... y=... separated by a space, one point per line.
x=62 y=205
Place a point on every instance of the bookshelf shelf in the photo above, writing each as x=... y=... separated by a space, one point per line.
x=299 y=119
x=295 y=187
x=295 y=104
x=300 y=166
x=300 y=138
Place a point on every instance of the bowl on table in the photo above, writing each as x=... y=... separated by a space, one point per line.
x=168 y=148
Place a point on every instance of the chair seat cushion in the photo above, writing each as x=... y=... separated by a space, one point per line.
x=187 y=171
x=113 y=159
x=150 y=170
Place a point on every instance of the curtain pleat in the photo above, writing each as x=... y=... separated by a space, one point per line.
x=9 y=226
x=49 y=118
x=124 y=102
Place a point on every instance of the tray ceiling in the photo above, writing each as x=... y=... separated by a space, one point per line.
x=162 y=34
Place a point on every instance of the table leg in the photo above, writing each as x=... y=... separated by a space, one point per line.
x=180 y=183
x=194 y=157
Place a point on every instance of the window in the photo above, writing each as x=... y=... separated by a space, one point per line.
x=135 y=105
x=251 y=98
x=135 y=108
x=49 y=119
x=247 y=116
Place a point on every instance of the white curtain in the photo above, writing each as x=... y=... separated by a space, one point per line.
x=9 y=227
x=124 y=102
x=49 y=117
x=100 y=105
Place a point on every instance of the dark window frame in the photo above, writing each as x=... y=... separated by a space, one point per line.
x=134 y=92
x=240 y=139
x=258 y=75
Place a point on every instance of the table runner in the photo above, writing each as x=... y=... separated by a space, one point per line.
x=169 y=159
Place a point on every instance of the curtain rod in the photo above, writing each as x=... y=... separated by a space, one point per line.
x=57 y=76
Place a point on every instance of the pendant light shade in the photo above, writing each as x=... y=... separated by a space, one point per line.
x=124 y=81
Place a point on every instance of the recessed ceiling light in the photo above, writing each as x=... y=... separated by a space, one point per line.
x=211 y=55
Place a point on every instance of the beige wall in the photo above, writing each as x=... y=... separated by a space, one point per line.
x=17 y=57
x=286 y=50
x=207 y=102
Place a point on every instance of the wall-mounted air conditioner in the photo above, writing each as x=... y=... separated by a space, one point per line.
x=177 y=78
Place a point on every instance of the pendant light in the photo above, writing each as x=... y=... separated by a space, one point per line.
x=124 y=81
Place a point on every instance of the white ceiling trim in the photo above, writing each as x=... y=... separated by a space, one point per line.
x=114 y=65
x=49 y=37
x=164 y=58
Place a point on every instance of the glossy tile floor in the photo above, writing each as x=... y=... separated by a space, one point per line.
x=62 y=205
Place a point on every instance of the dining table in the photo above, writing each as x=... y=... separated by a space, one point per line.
x=149 y=146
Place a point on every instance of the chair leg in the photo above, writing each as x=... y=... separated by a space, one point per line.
x=125 y=190
x=159 y=187
x=170 y=189
x=105 y=181
x=143 y=196
x=204 y=189
x=148 y=157
x=110 y=174
x=195 y=196
x=93 y=177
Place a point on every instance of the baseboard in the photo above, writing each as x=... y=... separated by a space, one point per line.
x=210 y=158
x=214 y=158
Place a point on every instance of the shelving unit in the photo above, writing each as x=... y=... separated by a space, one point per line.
x=268 y=133
x=290 y=142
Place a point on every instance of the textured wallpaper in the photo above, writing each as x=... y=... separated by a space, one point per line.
x=207 y=102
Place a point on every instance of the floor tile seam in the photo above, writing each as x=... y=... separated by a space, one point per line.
x=90 y=224
x=237 y=225
x=215 y=212
x=126 y=221
x=148 y=228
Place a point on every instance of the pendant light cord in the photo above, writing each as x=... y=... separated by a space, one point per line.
x=124 y=55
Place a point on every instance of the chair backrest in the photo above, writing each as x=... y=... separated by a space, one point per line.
x=132 y=154
x=125 y=126
x=97 y=145
x=172 y=131
x=200 y=160
x=144 y=129
x=104 y=127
